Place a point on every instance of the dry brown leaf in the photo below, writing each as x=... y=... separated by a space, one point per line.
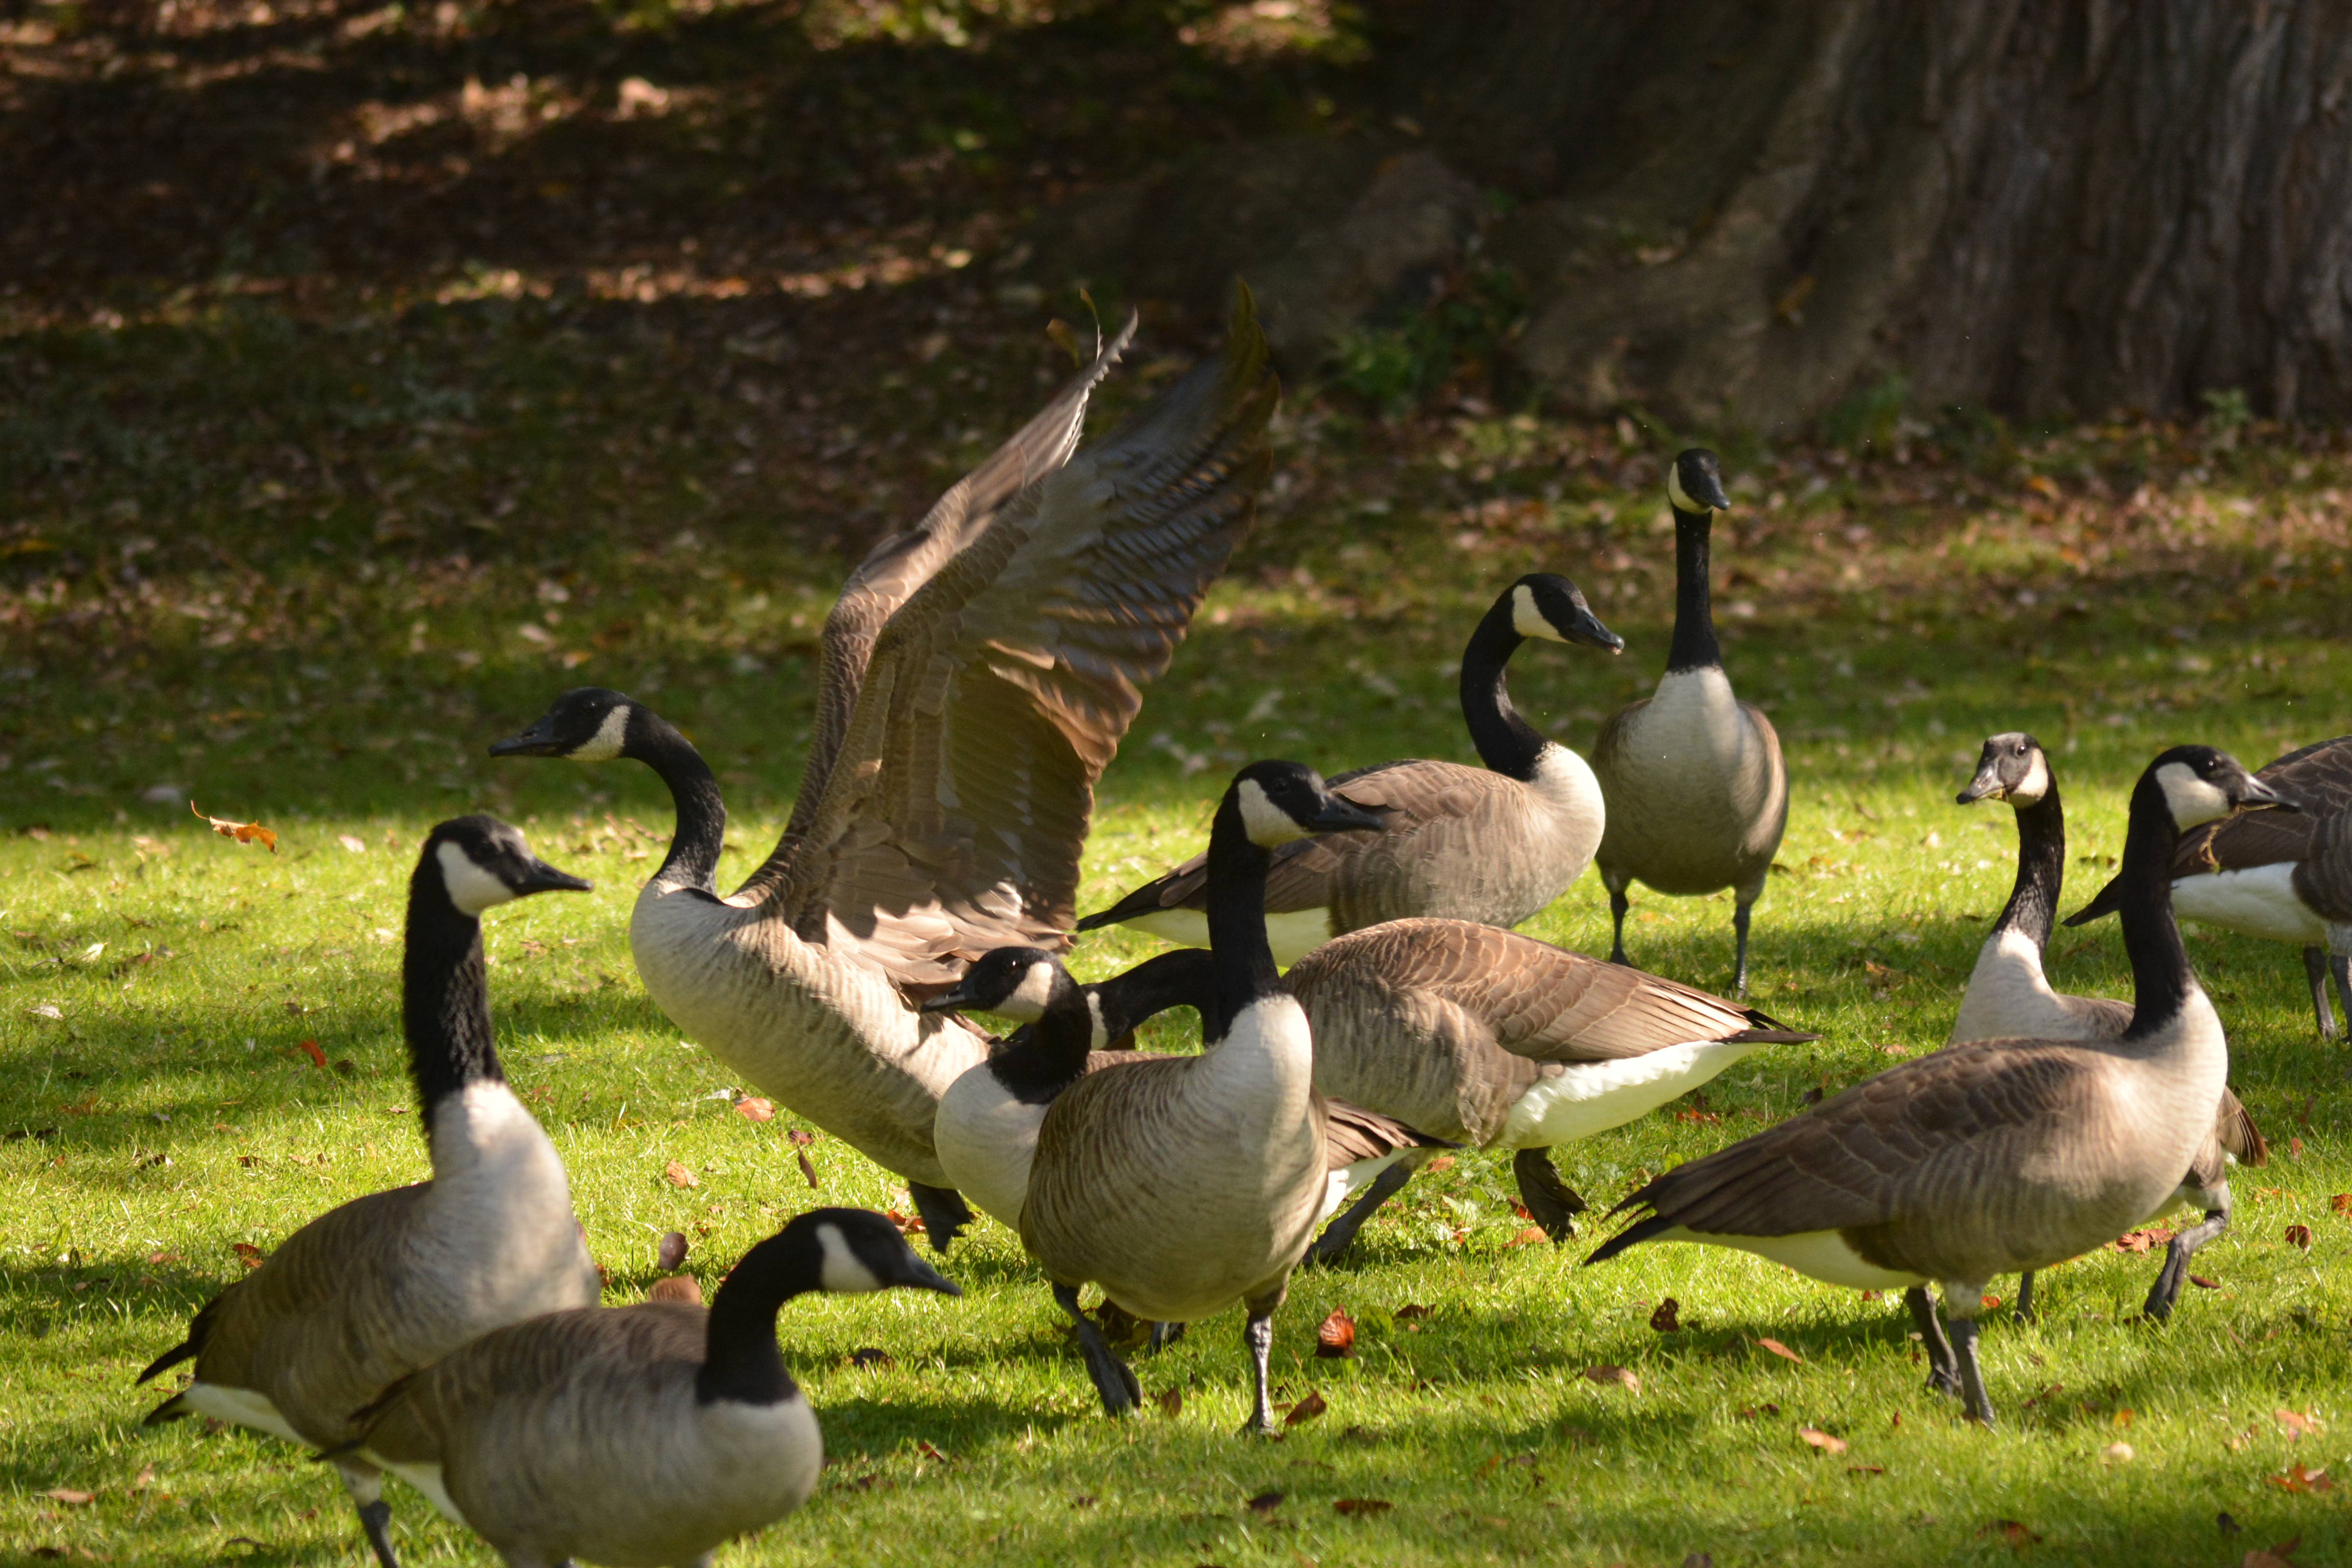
x=247 y=1254
x=751 y=1108
x=243 y=832
x=807 y=1170
x=1783 y=1352
x=1411 y=1311
x=678 y=1175
x=1361 y=1506
x=1667 y=1319
x=2299 y=1236
x=2297 y=1425
x=2010 y=1531
x=2142 y=1239
x=2276 y=1557
x=1443 y=1162
x=311 y=1049
x=1821 y=1441
x=1337 y=1335
x=908 y=1225
x=1307 y=1409
x=799 y=1137
x=68 y=1495
x=1623 y=1376
x=2341 y=1203
x=669 y=1251
x=1533 y=1233
x=1172 y=1404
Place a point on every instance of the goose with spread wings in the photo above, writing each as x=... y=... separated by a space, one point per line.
x=977 y=676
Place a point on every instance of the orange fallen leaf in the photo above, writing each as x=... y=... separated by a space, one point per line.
x=1307 y=1409
x=2342 y=1204
x=1337 y=1334
x=2142 y=1239
x=311 y=1049
x=2299 y=1236
x=2297 y=1425
x=1443 y=1162
x=1624 y=1377
x=1821 y=1441
x=679 y=1175
x=247 y=1254
x=908 y=1225
x=751 y=1108
x=2010 y=1531
x=1783 y=1352
x=243 y=832
x=1361 y=1505
x=2299 y=1479
x=1533 y=1233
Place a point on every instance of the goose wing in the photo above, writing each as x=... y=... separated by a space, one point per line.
x=1541 y=1002
x=954 y=813
x=2318 y=778
x=896 y=568
x=1355 y=1133
x=1924 y=1138
x=2234 y=1130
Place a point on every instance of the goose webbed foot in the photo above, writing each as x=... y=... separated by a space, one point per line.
x=1341 y=1232
x=1549 y=1202
x=1165 y=1334
x=1618 y=905
x=1740 y=913
x=1258 y=1336
x=944 y=1212
x=1943 y=1372
x=1121 y=1395
x=2176 y=1254
x=2025 y=1311
x=1973 y=1397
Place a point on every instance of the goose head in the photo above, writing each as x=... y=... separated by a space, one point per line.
x=2199 y=784
x=1013 y=982
x=587 y=724
x=2014 y=768
x=1695 y=484
x=1546 y=605
x=1279 y=802
x=478 y=861
x=853 y=1251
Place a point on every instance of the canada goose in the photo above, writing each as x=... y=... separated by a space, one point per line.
x=2287 y=879
x=635 y=1435
x=372 y=1290
x=2009 y=997
x=1996 y=1156
x=1697 y=795
x=1495 y=844
x=1497 y=1039
x=988 y=1120
x=1118 y=1192
x=977 y=675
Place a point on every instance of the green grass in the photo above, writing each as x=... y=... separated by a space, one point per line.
x=332 y=656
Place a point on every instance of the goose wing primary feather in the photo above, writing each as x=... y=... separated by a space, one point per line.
x=952 y=818
x=900 y=566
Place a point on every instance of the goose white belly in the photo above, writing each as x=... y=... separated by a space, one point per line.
x=1349 y=1180
x=2009 y=997
x=2259 y=901
x=1821 y=1255
x=987 y=1140
x=241 y=1407
x=1586 y=1098
x=427 y=1478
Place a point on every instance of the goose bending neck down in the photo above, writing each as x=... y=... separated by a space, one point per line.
x=2009 y=997
x=1494 y=844
x=636 y=1436
x=370 y=1292
x=1996 y=1156
x=1697 y=794
x=1118 y=1194
x=976 y=676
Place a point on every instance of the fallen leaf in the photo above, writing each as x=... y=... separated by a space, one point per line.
x=2142 y=1239
x=669 y=1251
x=1337 y=1336
x=143 y=1479
x=1264 y=1503
x=2123 y=1418
x=1752 y=1411
x=1411 y=1311
x=1307 y=1409
x=163 y=1258
x=807 y=1169
x=2299 y=1236
x=247 y=1253
x=2281 y=1556
x=1821 y=1441
x=2118 y=1454
x=751 y=1108
x=243 y=832
x=2341 y=1203
x=2010 y=1531
x=1443 y=1162
x=1172 y=1404
x=1865 y=1469
x=355 y=846
x=311 y=1049
x=867 y=1355
x=1624 y=1377
x=1361 y=1505
x=2297 y=1425
x=677 y=1287
x=906 y=1224
x=923 y=1446
x=679 y=1175
x=1783 y=1352
x=1667 y=1319
x=799 y=1137
x=68 y=1495
x=2204 y=1284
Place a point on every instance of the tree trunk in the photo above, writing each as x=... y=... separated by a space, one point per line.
x=1739 y=215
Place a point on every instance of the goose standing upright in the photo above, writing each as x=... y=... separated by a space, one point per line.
x=1493 y=844
x=2009 y=997
x=1996 y=1156
x=635 y=1435
x=978 y=673
x=371 y=1292
x=1697 y=794
x=2284 y=878
x=1118 y=1194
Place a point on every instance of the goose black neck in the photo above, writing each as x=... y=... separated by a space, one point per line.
x=740 y=1361
x=1236 y=898
x=2041 y=869
x=445 y=1001
x=1045 y=1058
x=1694 y=645
x=2161 y=978
x=1507 y=742
x=702 y=830
x=1184 y=977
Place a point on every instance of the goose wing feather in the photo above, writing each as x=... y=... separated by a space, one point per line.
x=2234 y=1130
x=2317 y=777
x=953 y=817
x=900 y=564
x=1355 y=1133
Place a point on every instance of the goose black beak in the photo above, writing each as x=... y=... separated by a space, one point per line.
x=2255 y=795
x=1340 y=815
x=1710 y=492
x=1986 y=785
x=539 y=877
x=536 y=742
x=1589 y=630
x=914 y=1274
x=953 y=1001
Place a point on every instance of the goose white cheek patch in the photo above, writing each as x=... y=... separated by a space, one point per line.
x=1679 y=495
x=1527 y=619
x=1267 y=824
x=1029 y=998
x=471 y=888
x=843 y=1274
x=2035 y=784
x=606 y=742
x=2191 y=799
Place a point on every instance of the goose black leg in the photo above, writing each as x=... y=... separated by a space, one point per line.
x=2175 y=1272
x=2341 y=965
x=1341 y=1231
x=2026 y=1312
x=1618 y=905
x=366 y=1485
x=943 y=1210
x=1943 y=1375
x=1739 y=961
x=1257 y=1335
x=1120 y=1393
x=2315 y=970
x=1549 y=1202
x=1972 y=1388
x=1165 y=1334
